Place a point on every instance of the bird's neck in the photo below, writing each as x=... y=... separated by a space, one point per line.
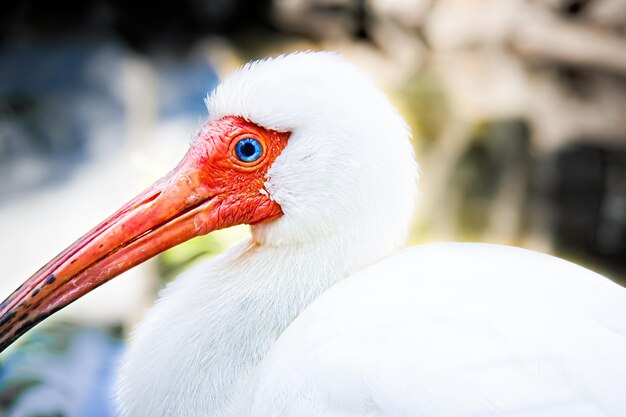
x=212 y=326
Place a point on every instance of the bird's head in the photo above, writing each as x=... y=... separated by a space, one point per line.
x=302 y=147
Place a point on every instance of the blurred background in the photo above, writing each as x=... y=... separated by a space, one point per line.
x=518 y=110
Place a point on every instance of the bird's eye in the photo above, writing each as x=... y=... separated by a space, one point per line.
x=248 y=150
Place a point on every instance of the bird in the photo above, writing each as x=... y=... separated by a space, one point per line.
x=323 y=311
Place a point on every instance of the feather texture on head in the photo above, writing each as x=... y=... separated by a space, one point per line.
x=349 y=161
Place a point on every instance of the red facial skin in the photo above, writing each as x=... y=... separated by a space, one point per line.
x=210 y=189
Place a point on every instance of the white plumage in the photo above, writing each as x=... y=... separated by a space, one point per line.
x=445 y=330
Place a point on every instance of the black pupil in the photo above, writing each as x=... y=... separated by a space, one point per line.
x=248 y=149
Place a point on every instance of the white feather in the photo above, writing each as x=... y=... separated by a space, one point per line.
x=438 y=330
x=451 y=330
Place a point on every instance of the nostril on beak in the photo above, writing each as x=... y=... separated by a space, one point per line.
x=148 y=200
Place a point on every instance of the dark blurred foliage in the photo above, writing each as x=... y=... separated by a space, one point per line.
x=588 y=205
x=167 y=26
x=44 y=136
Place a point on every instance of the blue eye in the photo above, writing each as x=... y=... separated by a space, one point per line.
x=248 y=149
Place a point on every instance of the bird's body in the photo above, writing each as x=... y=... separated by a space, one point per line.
x=318 y=314
x=453 y=330
x=440 y=330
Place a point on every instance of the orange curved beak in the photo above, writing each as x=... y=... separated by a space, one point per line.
x=176 y=208
x=208 y=190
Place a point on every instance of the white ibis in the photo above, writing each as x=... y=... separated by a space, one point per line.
x=320 y=313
